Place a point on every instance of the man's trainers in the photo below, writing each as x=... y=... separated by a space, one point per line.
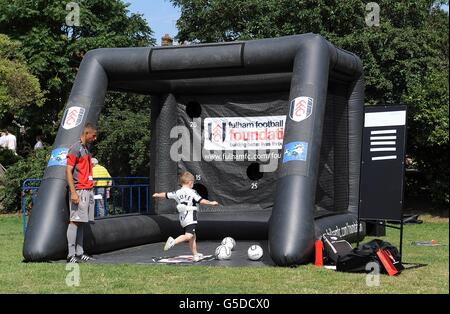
x=197 y=257
x=169 y=243
x=85 y=258
x=73 y=259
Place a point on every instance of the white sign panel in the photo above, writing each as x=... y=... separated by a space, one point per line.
x=389 y=118
x=242 y=133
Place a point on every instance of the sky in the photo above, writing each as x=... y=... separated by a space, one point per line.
x=159 y=14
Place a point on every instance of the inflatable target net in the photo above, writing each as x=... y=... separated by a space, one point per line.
x=271 y=129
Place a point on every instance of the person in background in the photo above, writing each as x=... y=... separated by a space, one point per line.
x=39 y=143
x=103 y=187
x=2 y=139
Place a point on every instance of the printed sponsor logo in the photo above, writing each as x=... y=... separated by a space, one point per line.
x=301 y=108
x=295 y=151
x=217 y=131
x=241 y=133
x=58 y=157
x=73 y=117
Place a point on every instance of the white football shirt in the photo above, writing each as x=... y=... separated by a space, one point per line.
x=187 y=197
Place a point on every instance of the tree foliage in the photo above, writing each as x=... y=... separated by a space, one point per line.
x=18 y=87
x=405 y=58
x=31 y=167
x=124 y=135
x=53 y=49
x=428 y=99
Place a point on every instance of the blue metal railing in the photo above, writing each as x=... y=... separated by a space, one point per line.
x=29 y=185
x=123 y=196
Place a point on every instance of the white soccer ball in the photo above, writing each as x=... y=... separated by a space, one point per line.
x=229 y=241
x=223 y=252
x=255 y=252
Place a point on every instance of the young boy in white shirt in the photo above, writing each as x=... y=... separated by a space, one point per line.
x=187 y=199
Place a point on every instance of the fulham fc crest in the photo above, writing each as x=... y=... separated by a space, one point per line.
x=301 y=108
x=217 y=132
x=72 y=117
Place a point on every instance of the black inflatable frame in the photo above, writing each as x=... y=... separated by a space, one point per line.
x=304 y=65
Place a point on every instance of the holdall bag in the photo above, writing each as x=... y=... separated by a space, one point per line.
x=334 y=248
x=356 y=261
x=390 y=251
x=359 y=258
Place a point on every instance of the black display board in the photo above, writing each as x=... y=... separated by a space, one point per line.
x=382 y=163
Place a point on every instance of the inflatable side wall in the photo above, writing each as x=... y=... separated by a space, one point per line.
x=306 y=62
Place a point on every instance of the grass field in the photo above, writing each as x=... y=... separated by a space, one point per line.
x=18 y=277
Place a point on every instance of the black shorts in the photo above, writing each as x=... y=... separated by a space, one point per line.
x=190 y=229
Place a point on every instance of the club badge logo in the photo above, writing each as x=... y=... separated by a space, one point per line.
x=301 y=108
x=217 y=132
x=73 y=117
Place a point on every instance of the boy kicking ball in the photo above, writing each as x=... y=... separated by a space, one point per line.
x=187 y=199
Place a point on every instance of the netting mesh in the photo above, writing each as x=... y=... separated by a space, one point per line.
x=229 y=182
x=333 y=185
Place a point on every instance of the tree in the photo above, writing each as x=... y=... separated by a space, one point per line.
x=32 y=166
x=124 y=134
x=428 y=127
x=18 y=87
x=410 y=44
x=54 y=48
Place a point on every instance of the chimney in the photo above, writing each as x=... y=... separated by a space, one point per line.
x=166 y=40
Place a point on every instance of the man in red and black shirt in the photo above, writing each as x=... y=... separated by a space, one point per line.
x=80 y=182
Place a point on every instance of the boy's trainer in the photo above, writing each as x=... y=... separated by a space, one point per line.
x=169 y=243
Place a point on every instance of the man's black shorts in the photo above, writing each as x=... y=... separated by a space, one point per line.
x=190 y=229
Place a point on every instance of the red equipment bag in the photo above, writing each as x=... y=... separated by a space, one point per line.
x=387 y=260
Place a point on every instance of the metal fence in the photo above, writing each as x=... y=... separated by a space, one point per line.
x=113 y=196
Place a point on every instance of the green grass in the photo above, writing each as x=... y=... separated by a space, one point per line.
x=18 y=277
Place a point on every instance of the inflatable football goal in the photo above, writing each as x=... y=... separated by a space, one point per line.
x=270 y=128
